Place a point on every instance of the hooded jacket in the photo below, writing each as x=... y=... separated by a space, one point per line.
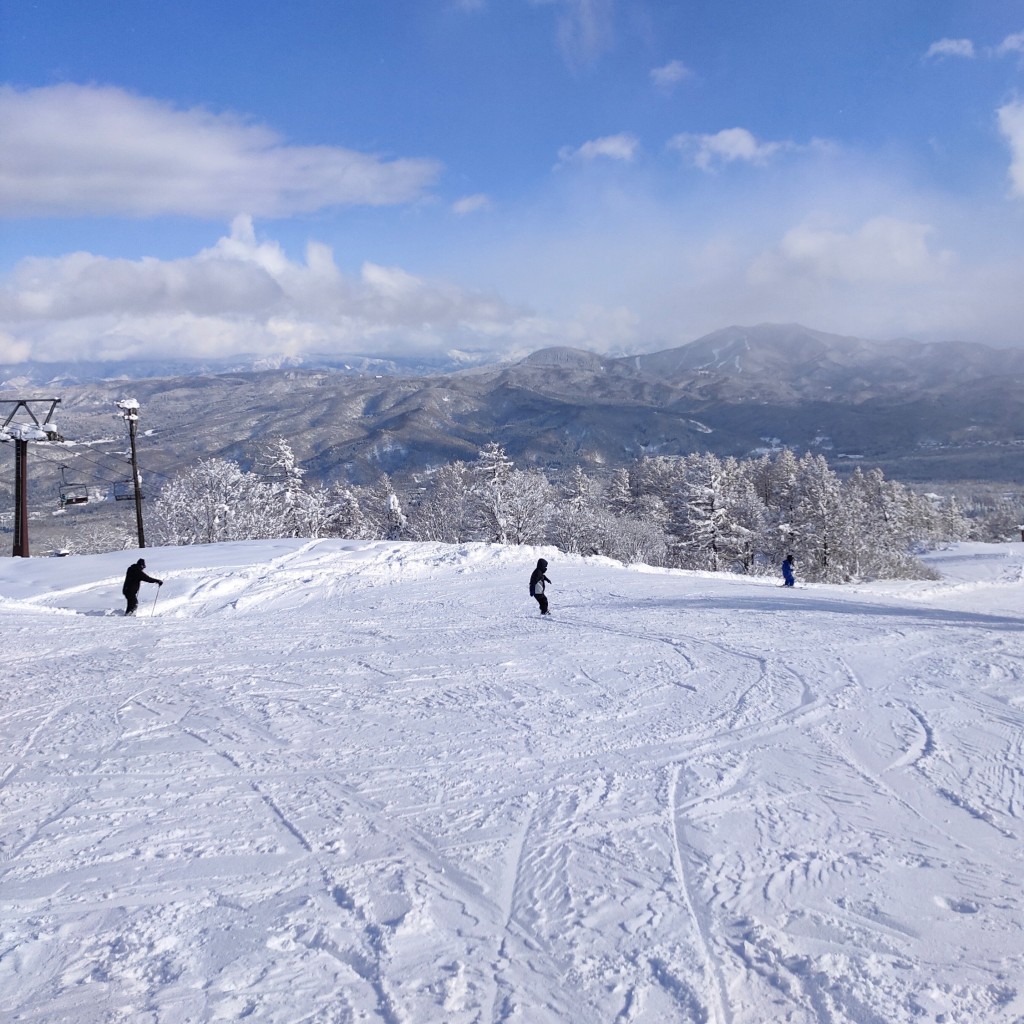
x=538 y=579
x=135 y=577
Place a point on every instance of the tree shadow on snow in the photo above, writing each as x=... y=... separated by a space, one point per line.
x=816 y=605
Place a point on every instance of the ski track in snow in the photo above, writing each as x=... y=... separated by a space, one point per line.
x=350 y=782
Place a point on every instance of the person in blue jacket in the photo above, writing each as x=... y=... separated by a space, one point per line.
x=787 y=571
x=537 y=581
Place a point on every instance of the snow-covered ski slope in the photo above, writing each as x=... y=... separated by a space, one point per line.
x=342 y=781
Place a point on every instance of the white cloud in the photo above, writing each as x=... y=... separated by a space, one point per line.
x=883 y=250
x=670 y=74
x=585 y=28
x=242 y=295
x=1011 y=44
x=613 y=147
x=73 y=150
x=727 y=146
x=471 y=204
x=1011 y=124
x=12 y=350
x=829 y=244
x=951 y=48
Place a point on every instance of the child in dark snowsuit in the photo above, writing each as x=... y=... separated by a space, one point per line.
x=537 y=581
x=133 y=579
x=787 y=571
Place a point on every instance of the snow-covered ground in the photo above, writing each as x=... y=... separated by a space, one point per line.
x=342 y=781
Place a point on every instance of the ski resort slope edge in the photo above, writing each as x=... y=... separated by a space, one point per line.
x=346 y=781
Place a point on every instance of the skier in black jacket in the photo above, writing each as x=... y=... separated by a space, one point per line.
x=537 y=581
x=133 y=579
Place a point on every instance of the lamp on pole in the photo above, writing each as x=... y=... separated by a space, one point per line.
x=130 y=413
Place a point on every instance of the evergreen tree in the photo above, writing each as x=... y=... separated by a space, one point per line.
x=700 y=508
x=953 y=524
x=619 y=496
x=818 y=526
x=491 y=473
x=346 y=515
x=782 y=498
x=859 y=497
x=748 y=533
x=383 y=517
x=281 y=470
x=656 y=477
x=492 y=464
x=278 y=462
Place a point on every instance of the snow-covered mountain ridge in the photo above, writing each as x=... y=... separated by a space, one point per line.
x=365 y=781
x=921 y=412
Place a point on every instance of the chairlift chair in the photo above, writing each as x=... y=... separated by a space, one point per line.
x=72 y=494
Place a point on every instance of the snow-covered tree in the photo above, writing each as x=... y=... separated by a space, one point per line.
x=492 y=463
x=700 y=511
x=491 y=473
x=860 y=521
x=576 y=525
x=382 y=511
x=346 y=516
x=618 y=495
x=312 y=512
x=278 y=465
x=635 y=541
x=656 y=477
x=953 y=523
x=277 y=461
x=748 y=528
x=882 y=523
x=778 y=490
x=444 y=512
x=817 y=525
x=213 y=501
x=528 y=505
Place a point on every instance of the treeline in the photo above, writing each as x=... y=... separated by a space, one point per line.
x=692 y=512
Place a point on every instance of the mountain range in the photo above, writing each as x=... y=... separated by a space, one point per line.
x=943 y=412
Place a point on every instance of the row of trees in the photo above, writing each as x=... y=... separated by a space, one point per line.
x=695 y=512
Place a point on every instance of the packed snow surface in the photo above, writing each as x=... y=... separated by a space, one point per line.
x=341 y=781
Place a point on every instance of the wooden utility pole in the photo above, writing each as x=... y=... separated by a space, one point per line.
x=20 y=498
x=21 y=434
x=130 y=411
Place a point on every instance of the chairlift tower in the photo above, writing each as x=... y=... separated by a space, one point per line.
x=21 y=433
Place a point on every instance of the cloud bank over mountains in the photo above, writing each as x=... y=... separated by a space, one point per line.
x=641 y=226
x=243 y=295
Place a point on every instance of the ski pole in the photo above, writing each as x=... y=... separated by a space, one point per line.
x=153 y=612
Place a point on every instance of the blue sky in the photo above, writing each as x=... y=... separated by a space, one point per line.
x=493 y=176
